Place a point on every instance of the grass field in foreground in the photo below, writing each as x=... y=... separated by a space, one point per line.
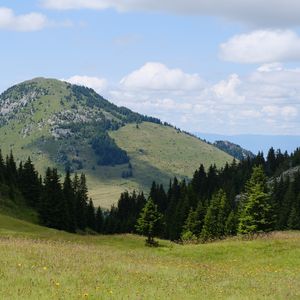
x=39 y=263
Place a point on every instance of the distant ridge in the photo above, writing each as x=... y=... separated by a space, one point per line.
x=256 y=142
x=234 y=150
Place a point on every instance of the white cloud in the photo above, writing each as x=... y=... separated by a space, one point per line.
x=28 y=22
x=254 y=12
x=286 y=112
x=226 y=90
x=262 y=46
x=265 y=101
x=270 y=67
x=98 y=84
x=156 y=76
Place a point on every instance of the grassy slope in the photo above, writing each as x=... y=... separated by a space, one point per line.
x=120 y=267
x=17 y=208
x=156 y=152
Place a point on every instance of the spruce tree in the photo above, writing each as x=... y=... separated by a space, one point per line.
x=29 y=183
x=216 y=216
x=256 y=215
x=69 y=198
x=99 y=220
x=231 y=224
x=191 y=227
x=91 y=220
x=53 y=210
x=294 y=217
x=149 y=222
x=81 y=200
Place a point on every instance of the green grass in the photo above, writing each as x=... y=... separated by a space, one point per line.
x=40 y=263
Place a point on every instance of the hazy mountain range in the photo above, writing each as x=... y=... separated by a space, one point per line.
x=255 y=142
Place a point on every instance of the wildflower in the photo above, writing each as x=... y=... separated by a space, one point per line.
x=45 y=268
x=57 y=283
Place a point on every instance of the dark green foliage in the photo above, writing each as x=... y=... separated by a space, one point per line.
x=29 y=184
x=218 y=203
x=69 y=198
x=191 y=226
x=122 y=218
x=108 y=152
x=149 y=222
x=216 y=217
x=231 y=224
x=53 y=208
x=90 y=215
x=99 y=220
x=81 y=201
x=294 y=216
x=61 y=206
x=256 y=215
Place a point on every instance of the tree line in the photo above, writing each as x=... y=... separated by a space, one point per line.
x=62 y=205
x=243 y=197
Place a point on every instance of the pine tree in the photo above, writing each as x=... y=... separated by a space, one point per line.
x=99 y=220
x=91 y=220
x=2 y=168
x=256 y=215
x=191 y=226
x=81 y=201
x=53 y=210
x=294 y=217
x=271 y=162
x=69 y=198
x=286 y=205
x=149 y=222
x=216 y=216
x=11 y=170
x=29 y=183
x=231 y=224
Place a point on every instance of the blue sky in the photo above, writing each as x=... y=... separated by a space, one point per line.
x=200 y=65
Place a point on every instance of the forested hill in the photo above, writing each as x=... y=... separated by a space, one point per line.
x=234 y=150
x=71 y=127
x=252 y=196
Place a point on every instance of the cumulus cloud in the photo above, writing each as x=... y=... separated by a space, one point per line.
x=254 y=12
x=262 y=46
x=156 y=76
x=264 y=101
x=98 y=84
x=226 y=90
x=27 y=22
x=287 y=112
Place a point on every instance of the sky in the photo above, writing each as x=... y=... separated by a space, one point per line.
x=214 y=66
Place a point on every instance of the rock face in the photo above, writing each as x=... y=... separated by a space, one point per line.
x=290 y=173
x=234 y=150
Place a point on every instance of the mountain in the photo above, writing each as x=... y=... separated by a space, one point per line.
x=72 y=127
x=256 y=142
x=234 y=150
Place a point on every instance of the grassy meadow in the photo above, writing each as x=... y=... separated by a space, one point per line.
x=40 y=263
